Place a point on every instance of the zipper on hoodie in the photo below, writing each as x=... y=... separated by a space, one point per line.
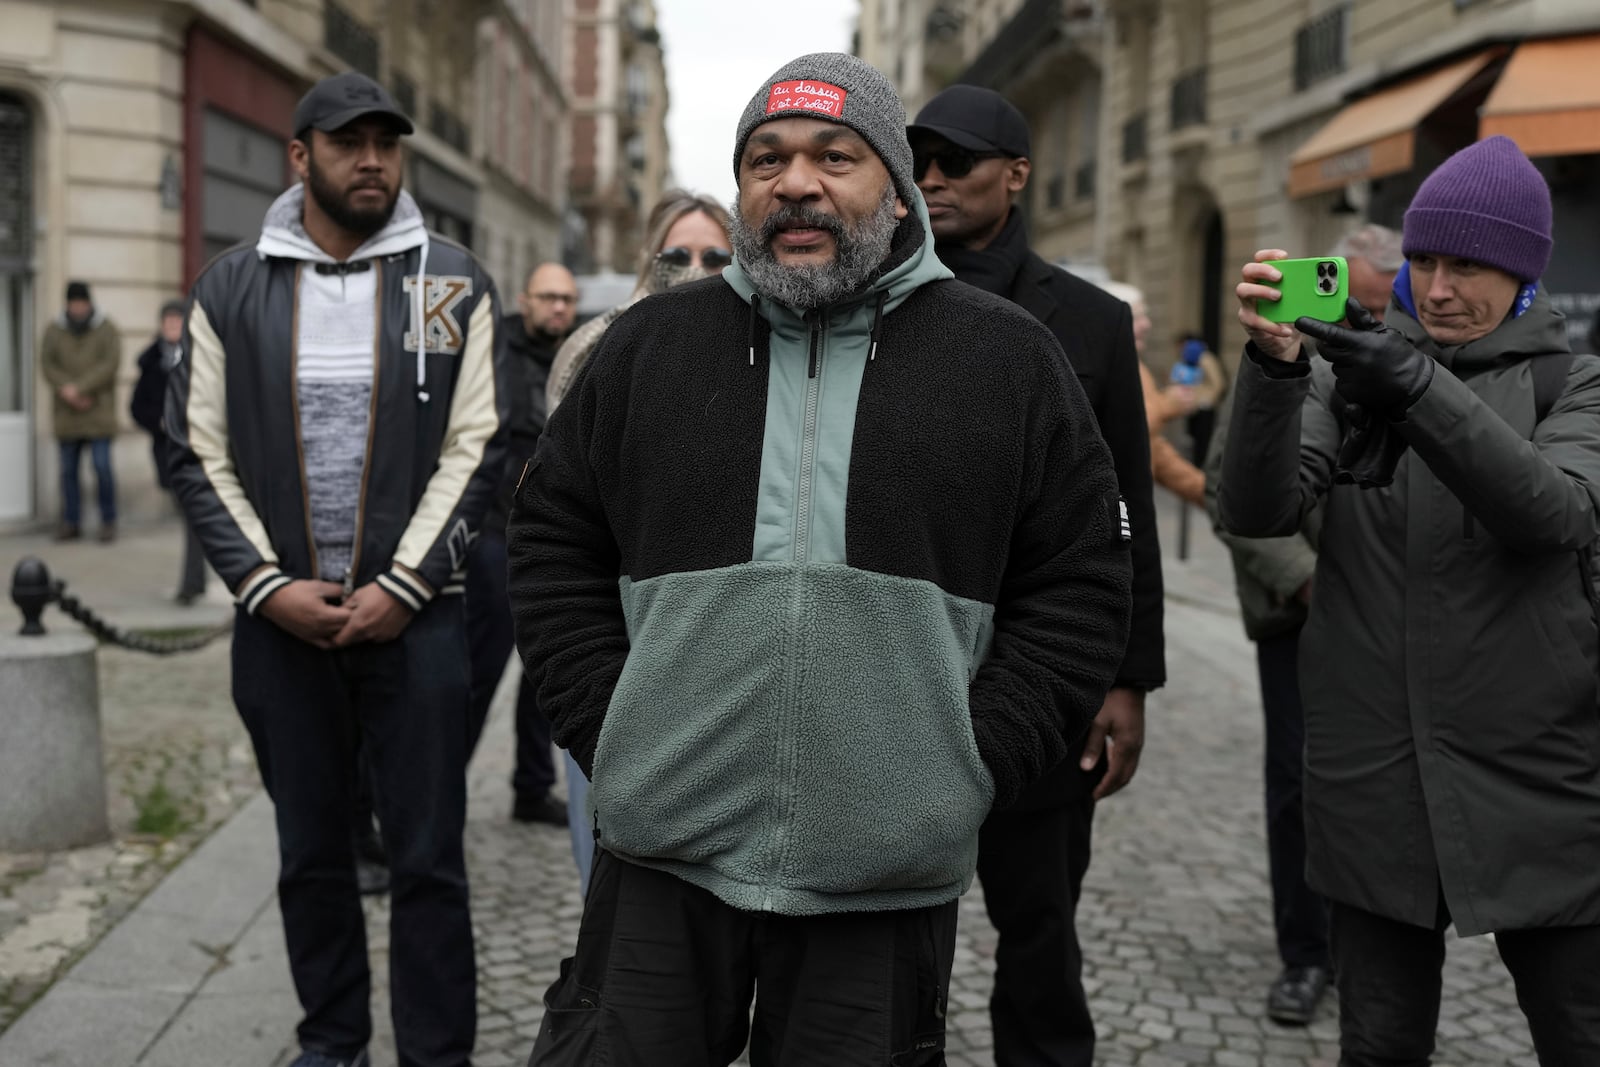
x=808 y=440
x=372 y=422
x=299 y=438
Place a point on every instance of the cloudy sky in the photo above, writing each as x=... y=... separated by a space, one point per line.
x=718 y=53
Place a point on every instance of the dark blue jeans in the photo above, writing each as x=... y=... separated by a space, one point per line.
x=104 y=482
x=1300 y=915
x=491 y=637
x=405 y=703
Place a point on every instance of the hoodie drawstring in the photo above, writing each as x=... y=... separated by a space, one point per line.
x=755 y=302
x=420 y=305
x=877 y=326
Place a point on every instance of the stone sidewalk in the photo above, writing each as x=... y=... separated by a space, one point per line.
x=1175 y=920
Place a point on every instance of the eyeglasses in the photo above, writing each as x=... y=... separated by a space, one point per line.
x=954 y=161
x=710 y=258
x=556 y=298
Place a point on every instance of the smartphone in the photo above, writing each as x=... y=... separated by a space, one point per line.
x=1315 y=288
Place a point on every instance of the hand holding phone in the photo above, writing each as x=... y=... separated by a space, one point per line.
x=1257 y=287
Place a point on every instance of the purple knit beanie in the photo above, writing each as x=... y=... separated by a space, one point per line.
x=1486 y=203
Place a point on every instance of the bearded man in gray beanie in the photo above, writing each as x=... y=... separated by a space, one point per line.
x=874 y=581
x=1452 y=759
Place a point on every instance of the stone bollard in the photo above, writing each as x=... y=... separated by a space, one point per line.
x=52 y=777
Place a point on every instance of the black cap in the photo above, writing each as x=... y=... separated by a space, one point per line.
x=336 y=102
x=77 y=291
x=975 y=118
x=174 y=307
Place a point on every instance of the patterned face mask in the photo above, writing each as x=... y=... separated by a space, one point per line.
x=665 y=274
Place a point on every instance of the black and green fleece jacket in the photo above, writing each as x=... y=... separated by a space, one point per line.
x=805 y=595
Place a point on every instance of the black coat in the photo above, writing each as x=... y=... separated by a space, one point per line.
x=1452 y=737
x=149 y=398
x=1095 y=332
x=528 y=361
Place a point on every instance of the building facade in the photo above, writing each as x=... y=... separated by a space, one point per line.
x=1173 y=138
x=140 y=138
x=618 y=88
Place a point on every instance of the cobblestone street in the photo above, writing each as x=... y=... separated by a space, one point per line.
x=1175 y=920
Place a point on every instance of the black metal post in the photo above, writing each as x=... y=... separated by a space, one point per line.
x=31 y=591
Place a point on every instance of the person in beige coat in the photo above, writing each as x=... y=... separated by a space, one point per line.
x=1167 y=464
x=79 y=356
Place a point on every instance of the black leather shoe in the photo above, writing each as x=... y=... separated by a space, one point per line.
x=1296 y=994
x=546 y=809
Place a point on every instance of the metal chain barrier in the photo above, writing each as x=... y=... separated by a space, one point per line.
x=138 y=642
x=32 y=588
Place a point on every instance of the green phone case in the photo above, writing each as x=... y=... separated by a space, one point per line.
x=1315 y=288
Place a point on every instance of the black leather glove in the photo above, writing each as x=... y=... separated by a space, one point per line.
x=1374 y=364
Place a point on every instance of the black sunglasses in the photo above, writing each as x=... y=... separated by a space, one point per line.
x=710 y=258
x=954 y=161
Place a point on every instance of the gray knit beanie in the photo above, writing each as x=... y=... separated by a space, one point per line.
x=839 y=88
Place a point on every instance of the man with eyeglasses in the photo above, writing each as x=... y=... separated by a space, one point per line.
x=970 y=151
x=547 y=309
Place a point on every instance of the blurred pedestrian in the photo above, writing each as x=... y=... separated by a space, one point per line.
x=1170 y=469
x=686 y=239
x=79 y=356
x=146 y=407
x=546 y=310
x=1274 y=578
x=798 y=675
x=337 y=436
x=970 y=150
x=1452 y=767
x=1200 y=373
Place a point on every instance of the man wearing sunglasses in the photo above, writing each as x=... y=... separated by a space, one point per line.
x=547 y=308
x=970 y=151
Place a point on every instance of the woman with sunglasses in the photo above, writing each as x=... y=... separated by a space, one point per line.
x=686 y=239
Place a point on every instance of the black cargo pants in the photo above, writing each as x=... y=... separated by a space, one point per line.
x=665 y=974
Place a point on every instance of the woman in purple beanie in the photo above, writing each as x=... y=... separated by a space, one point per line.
x=1452 y=764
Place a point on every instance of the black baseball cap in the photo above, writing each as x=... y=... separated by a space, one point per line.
x=974 y=118
x=334 y=103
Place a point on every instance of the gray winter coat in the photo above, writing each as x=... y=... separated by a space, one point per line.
x=1449 y=664
x=1268 y=572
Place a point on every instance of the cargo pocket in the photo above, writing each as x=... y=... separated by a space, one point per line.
x=932 y=934
x=569 y=1036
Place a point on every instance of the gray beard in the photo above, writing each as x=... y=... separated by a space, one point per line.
x=859 y=251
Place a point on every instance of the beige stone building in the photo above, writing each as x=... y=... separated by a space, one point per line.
x=1172 y=138
x=140 y=137
x=619 y=129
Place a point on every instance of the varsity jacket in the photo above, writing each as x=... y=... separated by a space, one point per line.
x=807 y=594
x=435 y=443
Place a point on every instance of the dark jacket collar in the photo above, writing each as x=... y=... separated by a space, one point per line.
x=995 y=267
x=539 y=347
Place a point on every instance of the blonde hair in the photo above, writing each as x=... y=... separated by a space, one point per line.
x=674 y=205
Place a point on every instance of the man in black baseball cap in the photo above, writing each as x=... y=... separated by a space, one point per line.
x=970 y=156
x=347 y=150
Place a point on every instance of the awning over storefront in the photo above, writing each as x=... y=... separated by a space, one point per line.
x=1548 y=98
x=1375 y=136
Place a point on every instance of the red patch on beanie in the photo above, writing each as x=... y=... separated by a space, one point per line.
x=805 y=95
